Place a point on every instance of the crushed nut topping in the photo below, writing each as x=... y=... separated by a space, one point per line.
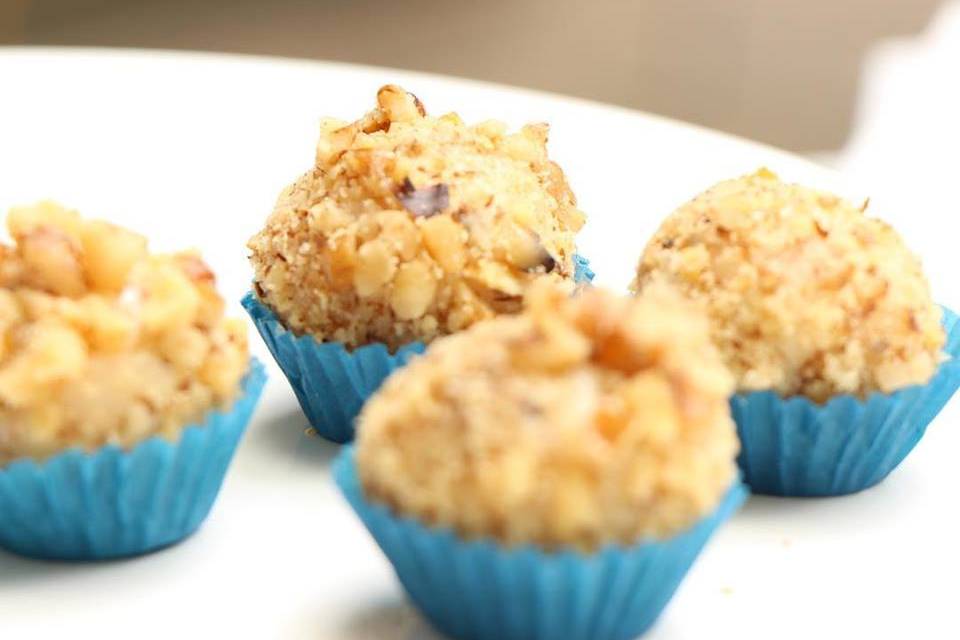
x=581 y=421
x=807 y=294
x=480 y=214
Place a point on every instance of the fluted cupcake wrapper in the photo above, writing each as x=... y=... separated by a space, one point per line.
x=582 y=273
x=795 y=447
x=479 y=590
x=332 y=383
x=113 y=503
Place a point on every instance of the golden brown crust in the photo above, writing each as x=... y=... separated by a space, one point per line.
x=410 y=227
x=103 y=343
x=582 y=421
x=807 y=294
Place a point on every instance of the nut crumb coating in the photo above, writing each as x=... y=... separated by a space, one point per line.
x=580 y=422
x=410 y=227
x=807 y=294
x=102 y=342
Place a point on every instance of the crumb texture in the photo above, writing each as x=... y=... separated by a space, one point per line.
x=102 y=342
x=410 y=226
x=807 y=295
x=580 y=422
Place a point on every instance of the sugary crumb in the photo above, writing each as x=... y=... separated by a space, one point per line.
x=806 y=293
x=583 y=421
x=411 y=227
x=102 y=342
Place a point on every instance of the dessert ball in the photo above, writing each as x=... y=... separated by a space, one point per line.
x=582 y=421
x=410 y=226
x=104 y=343
x=806 y=293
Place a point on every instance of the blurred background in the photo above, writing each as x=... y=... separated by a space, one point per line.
x=786 y=72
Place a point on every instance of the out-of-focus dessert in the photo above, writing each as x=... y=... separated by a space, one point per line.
x=103 y=342
x=580 y=422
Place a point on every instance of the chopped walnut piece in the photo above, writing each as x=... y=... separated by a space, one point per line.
x=425 y=201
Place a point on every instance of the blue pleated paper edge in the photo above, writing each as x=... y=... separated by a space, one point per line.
x=331 y=382
x=114 y=503
x=480 y=590
x=795 y=447
x=582 y=273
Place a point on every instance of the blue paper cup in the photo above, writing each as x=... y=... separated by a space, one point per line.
x=331 y=382
x=795 y=447
x=582 y=273
x=113 y=503
x=479 y=590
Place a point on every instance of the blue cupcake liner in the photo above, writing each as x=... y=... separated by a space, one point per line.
x=332 y=383
x=795 y=447
x=112 y=503
x=479 y=590
x=582 y=273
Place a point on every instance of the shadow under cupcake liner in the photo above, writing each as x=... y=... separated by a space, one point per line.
x=331 y=382
x=479 y=590
x=112 y=503
x=795 y=447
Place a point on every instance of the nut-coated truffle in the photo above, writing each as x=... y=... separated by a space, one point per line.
x=580 y=422
x=410 y=227
x=807 y=294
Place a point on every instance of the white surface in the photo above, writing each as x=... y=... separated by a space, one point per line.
x=192 y=150
x=907 y=137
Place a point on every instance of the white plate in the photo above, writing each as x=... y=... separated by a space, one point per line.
x=192 y=150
